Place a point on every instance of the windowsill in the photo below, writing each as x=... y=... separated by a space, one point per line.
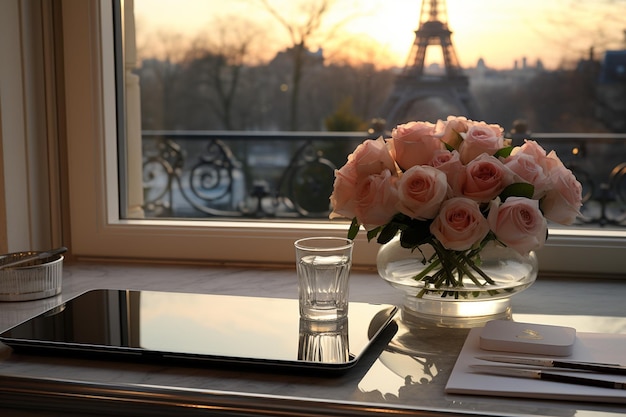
x=588 y=305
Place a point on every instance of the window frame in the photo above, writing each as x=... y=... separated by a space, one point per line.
x=97 y=232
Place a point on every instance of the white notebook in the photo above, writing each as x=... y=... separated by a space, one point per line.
x=591 y=347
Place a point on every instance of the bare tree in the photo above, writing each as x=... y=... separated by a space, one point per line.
x=301 y=32
x=161 y=76
x=366 y=73
x=218 y=58
x=578 y=26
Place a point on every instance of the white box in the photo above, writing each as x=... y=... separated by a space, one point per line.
x=540 y=339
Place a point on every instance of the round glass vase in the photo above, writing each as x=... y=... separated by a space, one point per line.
x=467 y=301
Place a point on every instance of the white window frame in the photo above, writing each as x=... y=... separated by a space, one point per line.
x=97 y=231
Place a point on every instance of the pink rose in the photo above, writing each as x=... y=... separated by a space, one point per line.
x=413 y=144
x=370 y=157
x=450 y=130
x=460 y=224
x=484 y=179
x=376 y=199
x=527 y=169
x=562 y=201
x=449 y=163
x=421 y=189
x=343 y=198
x=518 y=223
x=560 y=192
x=481 y=138
x=533 y=149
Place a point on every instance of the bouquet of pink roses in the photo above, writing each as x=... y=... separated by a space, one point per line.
x=454 y=185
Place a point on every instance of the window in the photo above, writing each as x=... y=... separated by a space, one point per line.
x=98 y=229
x=223 y=131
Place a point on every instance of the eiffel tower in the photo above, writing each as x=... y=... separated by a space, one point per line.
x=414 y=84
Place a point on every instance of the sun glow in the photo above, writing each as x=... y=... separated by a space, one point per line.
x=382 y=31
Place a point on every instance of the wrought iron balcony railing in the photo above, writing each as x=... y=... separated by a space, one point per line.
x=197 y=174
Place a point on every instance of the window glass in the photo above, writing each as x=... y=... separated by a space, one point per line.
x=153 y=187
x=243 y=109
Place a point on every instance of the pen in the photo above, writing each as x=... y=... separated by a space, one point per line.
x=548 y=376
x=605 y=368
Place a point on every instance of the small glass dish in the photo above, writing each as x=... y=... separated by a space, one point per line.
x=33 y=280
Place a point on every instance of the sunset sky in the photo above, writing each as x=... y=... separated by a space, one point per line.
x=500 y=32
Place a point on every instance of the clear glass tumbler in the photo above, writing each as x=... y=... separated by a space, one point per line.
x=323 y=266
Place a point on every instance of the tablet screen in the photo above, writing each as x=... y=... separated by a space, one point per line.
x=202 y=326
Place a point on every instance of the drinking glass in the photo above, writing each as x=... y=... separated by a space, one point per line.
x=323 y=268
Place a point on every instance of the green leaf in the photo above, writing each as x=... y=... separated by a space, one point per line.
x=354 y=229
x=388 y=232
x=400 y=218
x=416 y=234
x=519 y=189
x=371 y=234
x=504 y=152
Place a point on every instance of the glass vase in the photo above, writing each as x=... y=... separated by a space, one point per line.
x=464 y=300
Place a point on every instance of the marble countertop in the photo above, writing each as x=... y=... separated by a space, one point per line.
x=404 y=373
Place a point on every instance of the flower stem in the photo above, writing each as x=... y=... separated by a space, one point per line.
x=424 y=274
x=453 y=266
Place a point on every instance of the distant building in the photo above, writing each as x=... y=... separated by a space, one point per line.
x=311 y=58
x=613 y=69
x=611 y=91
x=483 y=74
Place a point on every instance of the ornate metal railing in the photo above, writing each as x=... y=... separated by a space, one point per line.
x=599 y=163
x=195 y=174
x=226 y=174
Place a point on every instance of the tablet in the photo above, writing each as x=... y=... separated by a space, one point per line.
x=158 y=325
